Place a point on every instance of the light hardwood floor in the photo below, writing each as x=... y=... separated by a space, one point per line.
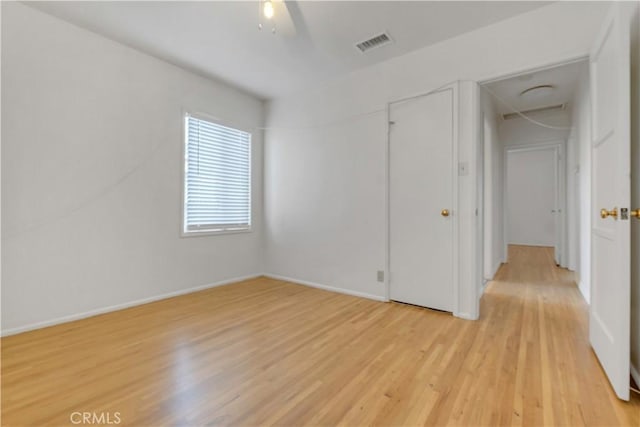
x=269 y=352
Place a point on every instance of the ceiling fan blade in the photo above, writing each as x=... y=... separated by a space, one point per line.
x=285 y=25
x=291 y=27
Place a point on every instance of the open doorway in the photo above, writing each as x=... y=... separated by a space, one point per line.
x=586 y=110
x=536 y=163
x=534 y=193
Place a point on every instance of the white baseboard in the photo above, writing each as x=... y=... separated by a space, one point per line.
x=492 y=273
x=327 y=288
x=495 y=269
x=482 y=288
x=465 y=316
x=583 y=291
x=91 y=313
x=635 y=374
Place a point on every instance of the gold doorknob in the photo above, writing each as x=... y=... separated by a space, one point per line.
x=445 y=212
x=635 y=213
x=605 y=213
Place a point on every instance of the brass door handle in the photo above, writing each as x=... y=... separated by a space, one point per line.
x=444 y=212
x=635 y=213
x=605 y=213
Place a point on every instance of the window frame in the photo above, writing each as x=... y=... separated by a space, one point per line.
x=184 y=232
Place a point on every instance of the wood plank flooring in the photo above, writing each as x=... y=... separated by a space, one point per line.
x=267 y=352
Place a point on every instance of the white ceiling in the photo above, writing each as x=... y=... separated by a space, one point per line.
x=563 y=78
x=221 y=39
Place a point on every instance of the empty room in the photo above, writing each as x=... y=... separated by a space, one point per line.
x=305 y=213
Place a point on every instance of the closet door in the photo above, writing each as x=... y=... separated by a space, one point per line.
x=421 y=200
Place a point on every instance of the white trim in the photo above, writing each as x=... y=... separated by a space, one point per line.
x=455 y=200
x=475 y=256
x=495 y=269
x=466 y=316
x=387 y=211
x=455 y=211
x=205 y=232
x=116 y=307
x=584 y=291
x=535 y=145
x=528 y=70
x=480 y=157
x=326 y=287
x=635 y=373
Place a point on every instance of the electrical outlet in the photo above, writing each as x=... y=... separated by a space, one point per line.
x=380 y=276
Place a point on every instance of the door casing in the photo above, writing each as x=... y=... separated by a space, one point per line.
x=520 y=72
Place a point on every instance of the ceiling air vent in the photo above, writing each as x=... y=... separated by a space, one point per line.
x=533 y=110
x=374 y=42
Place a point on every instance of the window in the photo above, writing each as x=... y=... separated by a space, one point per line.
x=217 y=188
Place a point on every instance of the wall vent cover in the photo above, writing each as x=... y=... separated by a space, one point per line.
x=374 y=42
x=534 y=110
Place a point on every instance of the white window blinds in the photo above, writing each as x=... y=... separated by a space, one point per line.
x=217 y=177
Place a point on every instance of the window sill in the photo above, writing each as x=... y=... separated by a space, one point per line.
x=204 y=233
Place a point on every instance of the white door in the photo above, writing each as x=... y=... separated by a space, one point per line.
x=558 y=217
x=532 y=197
x=609 y=320
x=420 y=188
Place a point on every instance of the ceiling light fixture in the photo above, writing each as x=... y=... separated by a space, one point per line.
x=266 y=10
x=537 y=91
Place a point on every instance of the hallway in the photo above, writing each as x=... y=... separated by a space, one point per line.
x=558 y=380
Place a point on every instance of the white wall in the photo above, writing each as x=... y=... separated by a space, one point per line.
x=325 y=184
x=91 y=174
x=469 y=222
x=493 y=190
x=635 y=194
x=572 y=207
x=531 y=184
x=581 y=138
x=519 y=131
x=0 y=176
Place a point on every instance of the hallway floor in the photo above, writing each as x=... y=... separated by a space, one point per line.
x=558 y=379
x=265 y=352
